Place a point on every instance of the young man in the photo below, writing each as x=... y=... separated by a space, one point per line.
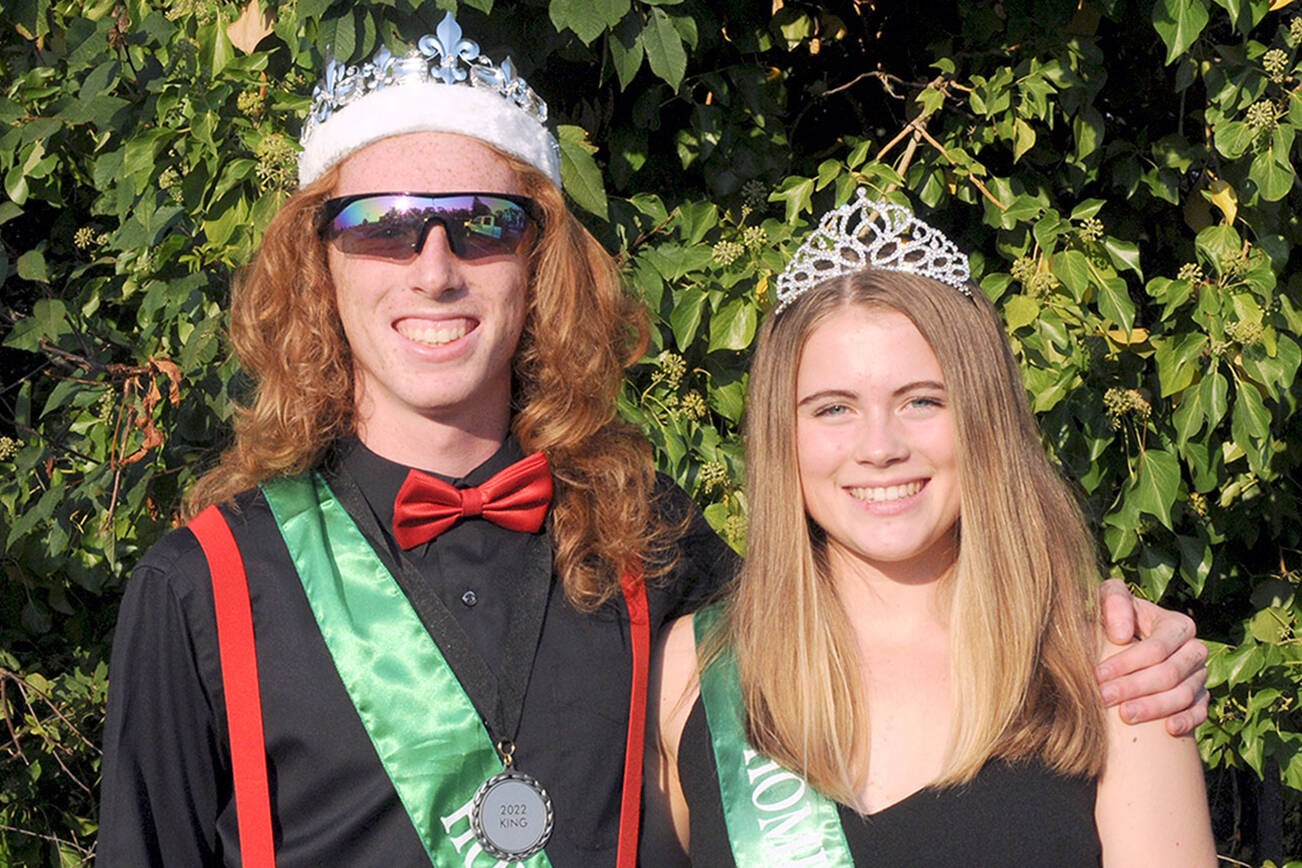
x=455 y=557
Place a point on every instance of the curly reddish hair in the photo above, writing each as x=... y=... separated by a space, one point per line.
x=581 y=331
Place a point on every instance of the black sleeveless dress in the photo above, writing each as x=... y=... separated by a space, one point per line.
x=1008 y=816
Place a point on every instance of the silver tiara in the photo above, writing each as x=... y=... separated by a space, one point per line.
x=443 y=56
x=863 y=233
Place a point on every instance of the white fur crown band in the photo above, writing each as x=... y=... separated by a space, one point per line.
x=442 y=85
x=863 y=233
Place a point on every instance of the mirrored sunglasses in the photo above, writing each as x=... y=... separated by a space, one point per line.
x=395 y=225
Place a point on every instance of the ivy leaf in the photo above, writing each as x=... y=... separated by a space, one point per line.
x=215 y=47
x=1156 y=569
x=1189 y=417
x=31 y=266
x=798 y=193
x=1088 y=208
x=696 y=219
x=1021 y=209
x=1047 y=230
x=1214 y=392
x=1158 y=483
x=1114 y=299
x=1251 y=418
x=1234 y=665
x=1175 y=358
x=733 y=326
x=1124 y=254
x=1216 y=244
x=664 y=49
x=1019 y=311
x=1248 y=13
x=1195 y=561
x=685 y=318
x=1178 y=23
x=1023 y=138
x=727 y=400
x=1233 y=139
x=1088 y=129
x=579 y=170
x=1273 y=178
x=1072 y=267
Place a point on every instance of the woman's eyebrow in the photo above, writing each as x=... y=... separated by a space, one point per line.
x=924 y=385
x=827 y=393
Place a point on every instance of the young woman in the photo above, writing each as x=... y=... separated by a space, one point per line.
x=912 y=634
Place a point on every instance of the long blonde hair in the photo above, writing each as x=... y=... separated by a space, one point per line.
x=1022 y=635
x=581 y=331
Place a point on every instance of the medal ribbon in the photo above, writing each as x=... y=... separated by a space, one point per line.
x=427 y=733
x=773 y=816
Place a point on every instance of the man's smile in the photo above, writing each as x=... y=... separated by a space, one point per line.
x=434 y=333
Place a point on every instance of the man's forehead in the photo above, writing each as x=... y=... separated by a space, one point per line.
x=426 y=162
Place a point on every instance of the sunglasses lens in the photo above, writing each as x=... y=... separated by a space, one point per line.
x=394 y=226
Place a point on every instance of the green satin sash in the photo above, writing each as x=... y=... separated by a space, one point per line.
x=773 y=816
x=428 y=735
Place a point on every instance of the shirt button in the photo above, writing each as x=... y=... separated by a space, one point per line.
x=470 y=598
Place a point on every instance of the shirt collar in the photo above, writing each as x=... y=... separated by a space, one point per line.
x=379 y=478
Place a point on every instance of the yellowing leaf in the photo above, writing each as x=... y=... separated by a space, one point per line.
x=1223 y=196
x=1136 y=336
x=1278 y=4
x=250 y=28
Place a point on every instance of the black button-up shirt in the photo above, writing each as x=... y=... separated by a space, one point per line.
x=167 y=788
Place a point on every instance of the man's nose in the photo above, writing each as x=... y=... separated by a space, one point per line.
x=438 y=266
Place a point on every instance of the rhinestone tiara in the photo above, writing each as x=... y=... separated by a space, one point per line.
x=429 y=88
x=863 y=233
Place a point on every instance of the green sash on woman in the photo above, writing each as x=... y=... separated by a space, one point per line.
x=773 y=816
x=427 y=733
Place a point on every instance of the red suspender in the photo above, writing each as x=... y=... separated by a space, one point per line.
x=244 y=703
x=230 y=591
x=639 y=619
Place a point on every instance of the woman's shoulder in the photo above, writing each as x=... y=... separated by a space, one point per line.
x=675 y=686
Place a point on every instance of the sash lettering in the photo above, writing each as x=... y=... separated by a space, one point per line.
x=462 y=817
x=778 y=795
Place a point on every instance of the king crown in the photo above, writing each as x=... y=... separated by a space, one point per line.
x=865 y=233
x=443 y=56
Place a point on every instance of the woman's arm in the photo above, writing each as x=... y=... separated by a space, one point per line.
x=673 y=690
x=1152 y=808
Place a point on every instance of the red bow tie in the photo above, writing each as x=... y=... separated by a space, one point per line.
x=516 y=499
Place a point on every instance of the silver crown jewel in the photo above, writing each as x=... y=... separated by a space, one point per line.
x=863 y=233
x=443 y=57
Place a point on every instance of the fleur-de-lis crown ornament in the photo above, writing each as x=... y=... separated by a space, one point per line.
x=443 y=84
x=863 y=233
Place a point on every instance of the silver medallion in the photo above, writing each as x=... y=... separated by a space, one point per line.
x=512 y=816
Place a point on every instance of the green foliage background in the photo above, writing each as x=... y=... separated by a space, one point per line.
x=1121 y=170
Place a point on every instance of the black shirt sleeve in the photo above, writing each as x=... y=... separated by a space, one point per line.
x=165 y=761
x=705 y=563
